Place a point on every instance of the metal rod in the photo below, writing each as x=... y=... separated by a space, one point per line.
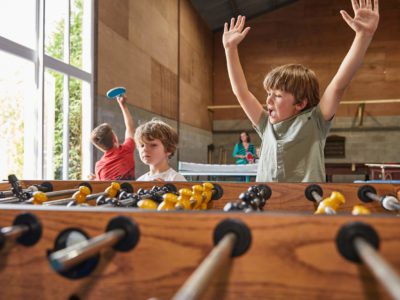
x=198 y=282
x=373 y=196
x=71 y=256
x=317 y=197
x=379 y=267
x=61 y=193
x=15 y=231
x=48 y=194
x=7 y=193
x=68 y=200
x=9 y=200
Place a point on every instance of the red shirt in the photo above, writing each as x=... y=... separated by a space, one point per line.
x=117 y=163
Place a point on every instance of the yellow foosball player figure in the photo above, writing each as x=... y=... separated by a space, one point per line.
x=330 y=205
x=197 y=196
x=184 y=199
x=169 y=202
x=360 y=210
x=81 y=194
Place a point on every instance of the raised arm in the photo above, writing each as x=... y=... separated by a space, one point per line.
x=129 y=125
x=364 y=23
x=231 y=39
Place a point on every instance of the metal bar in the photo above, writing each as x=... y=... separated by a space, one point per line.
x=14 y=232
x=317 y=197
x=67 y=200
x=71 y=256
x=198 y=282
x=373 y=196
x=379 y=267
x=48 y=194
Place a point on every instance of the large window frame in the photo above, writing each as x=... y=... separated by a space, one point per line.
x=34 y=145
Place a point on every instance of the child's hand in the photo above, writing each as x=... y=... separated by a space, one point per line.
x=122 y=100
x=91 y=176
x=235 y=34
x=159 y=180
x=366 y=17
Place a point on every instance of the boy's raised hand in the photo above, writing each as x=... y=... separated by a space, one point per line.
x=235 y=34
x=366 y=17
x=121 y=99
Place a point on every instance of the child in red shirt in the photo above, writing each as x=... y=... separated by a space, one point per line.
x=118 y=161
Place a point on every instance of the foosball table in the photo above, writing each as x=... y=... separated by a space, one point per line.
x=198 y=240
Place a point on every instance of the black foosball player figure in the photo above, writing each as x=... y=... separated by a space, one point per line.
x=253 y=199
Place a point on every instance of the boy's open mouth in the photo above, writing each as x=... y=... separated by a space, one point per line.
x=271 y=113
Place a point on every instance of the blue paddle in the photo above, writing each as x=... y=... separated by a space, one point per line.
x=116 y=92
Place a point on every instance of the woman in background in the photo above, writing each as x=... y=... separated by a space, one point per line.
x=244 y=151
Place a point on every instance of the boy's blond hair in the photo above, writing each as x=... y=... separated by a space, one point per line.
x=103 y=136
x=157 y=129
x=297 y=80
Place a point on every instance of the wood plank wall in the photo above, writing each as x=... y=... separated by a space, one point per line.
x=313 y=33
x=138 y=48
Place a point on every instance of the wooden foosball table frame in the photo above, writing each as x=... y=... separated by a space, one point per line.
x=292 y=255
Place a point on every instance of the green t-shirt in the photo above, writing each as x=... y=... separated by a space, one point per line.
x=293 y=150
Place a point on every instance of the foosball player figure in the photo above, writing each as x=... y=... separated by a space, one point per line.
x=155 y=196
x=235 y=206
x=170 y=200
x=184 y=199
x=253 y=199
x=360 y=210
x=38 y=198
x=330 y=205
x=197 y=196
x=262 y=192
x=80 y=196
x=210 y=192
x=207 y=195
x=148 y=204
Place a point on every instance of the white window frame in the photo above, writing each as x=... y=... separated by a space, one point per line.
x=33 y=148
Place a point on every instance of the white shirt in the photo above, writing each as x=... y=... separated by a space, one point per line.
x=169 y=175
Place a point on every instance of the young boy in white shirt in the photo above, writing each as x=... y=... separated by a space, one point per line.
x=156 y=142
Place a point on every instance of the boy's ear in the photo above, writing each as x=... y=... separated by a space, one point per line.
x=300 y=106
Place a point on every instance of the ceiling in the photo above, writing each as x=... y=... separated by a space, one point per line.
x=216 y=12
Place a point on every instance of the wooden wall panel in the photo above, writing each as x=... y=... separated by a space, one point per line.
x=153 y=27
x=121 y=63
x=164 y=96
x=195 y=68
x=313 y=33
x=115 y=15
x=138 y=49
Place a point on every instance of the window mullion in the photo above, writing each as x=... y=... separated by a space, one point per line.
x=66 y=93
x=33 y=160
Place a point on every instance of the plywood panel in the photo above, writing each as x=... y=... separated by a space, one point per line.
x=153 y=27
x=164 y=97
x=192 y=107
x=120 y=63
x=115 y=14
x=195 y=68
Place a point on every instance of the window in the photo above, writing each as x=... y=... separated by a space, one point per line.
x=46 y=84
